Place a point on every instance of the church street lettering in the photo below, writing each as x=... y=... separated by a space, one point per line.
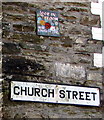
x=52 y=93
x=43 y=92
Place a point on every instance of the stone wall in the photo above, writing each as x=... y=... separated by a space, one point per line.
x=66 y=59
x=1 y=60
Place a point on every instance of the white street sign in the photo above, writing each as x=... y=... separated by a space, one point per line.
x=54 y=93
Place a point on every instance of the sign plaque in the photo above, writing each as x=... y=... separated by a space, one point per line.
x=54 y=93
x=47 y=23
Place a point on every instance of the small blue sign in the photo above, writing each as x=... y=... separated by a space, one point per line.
x=47 y=23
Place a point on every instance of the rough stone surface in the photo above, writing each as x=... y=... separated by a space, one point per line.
x=70 y=71
x=67 y=59
x=1 y=95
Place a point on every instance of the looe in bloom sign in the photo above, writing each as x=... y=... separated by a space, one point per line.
x=54 y=93
x=47 y=23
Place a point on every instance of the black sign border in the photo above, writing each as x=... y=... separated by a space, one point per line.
x=53 y=102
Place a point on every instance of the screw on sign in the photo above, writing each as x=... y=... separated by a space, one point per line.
x=47 y=25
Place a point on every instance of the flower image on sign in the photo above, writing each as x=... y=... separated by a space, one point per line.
x=47 y=23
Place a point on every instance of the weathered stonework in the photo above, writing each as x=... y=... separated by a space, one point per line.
x=67 y=59
x=1 y=95
x=70 y=71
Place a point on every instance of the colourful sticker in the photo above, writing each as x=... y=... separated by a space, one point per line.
x=47 y=23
